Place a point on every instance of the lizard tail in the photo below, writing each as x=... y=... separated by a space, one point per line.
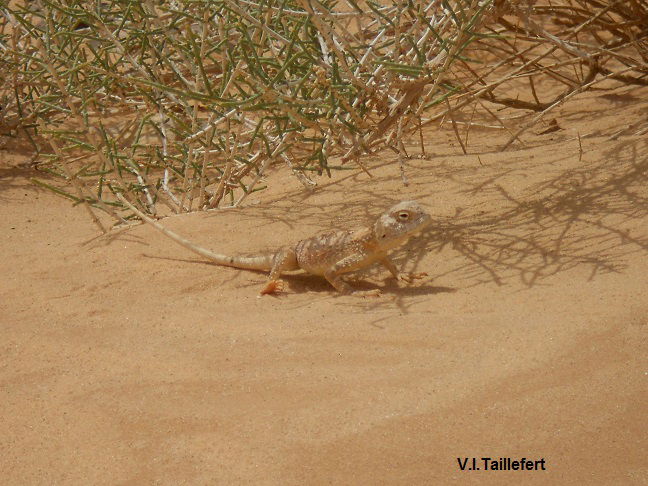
x=261 y=262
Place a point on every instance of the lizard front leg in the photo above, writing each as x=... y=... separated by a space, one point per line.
x=352 y=262
x=407 y=277
x=285 y=260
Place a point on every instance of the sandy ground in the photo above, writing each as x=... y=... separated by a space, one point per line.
x=126 y=360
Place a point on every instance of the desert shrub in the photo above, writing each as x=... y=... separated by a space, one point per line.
x=184 y=105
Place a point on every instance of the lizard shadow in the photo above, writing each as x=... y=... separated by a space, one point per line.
x=394 y=288
x=302 y=283
x=299 y=283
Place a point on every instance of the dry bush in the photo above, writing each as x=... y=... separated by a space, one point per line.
x=535 y=49
x=185 y=104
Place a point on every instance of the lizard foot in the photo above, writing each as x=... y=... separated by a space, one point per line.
x=409 y=277
x=367 y=293
x=273 y=287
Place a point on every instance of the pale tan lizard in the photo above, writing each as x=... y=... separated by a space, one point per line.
x=329 y=255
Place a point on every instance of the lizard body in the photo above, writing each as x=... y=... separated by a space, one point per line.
x=329 y=255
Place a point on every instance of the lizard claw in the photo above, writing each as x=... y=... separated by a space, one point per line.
x=409 y=277
x=273 y=287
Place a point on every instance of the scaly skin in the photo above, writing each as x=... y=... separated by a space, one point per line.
x=329 y=255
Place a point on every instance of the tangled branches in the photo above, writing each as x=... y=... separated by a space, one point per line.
x=186 y=104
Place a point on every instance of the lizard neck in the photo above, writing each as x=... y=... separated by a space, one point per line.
x=367 y=237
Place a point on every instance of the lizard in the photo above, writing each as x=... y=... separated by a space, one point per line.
x=329 y=255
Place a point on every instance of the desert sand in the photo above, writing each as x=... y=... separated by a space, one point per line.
x=127 y=360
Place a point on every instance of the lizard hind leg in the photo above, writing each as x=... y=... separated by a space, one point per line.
x=284 y=261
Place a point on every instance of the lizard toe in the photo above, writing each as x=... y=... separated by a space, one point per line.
x=273 y=287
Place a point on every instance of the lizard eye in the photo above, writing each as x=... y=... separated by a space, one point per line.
x=404 y=216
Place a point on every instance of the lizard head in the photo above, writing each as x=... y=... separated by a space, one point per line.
x=399 y=223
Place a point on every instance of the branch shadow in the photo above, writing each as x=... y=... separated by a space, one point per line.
x=595 y=215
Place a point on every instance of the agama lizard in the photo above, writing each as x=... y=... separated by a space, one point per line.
x=329 y=255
